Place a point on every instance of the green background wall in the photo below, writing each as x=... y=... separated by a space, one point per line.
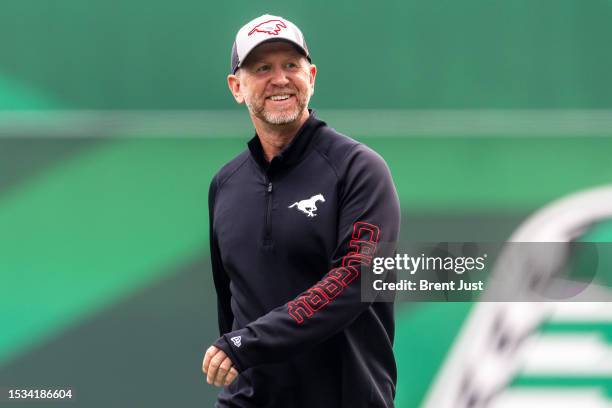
x=484 y=111
x=140 y=54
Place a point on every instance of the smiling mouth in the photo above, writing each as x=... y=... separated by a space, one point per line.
x=279 y=98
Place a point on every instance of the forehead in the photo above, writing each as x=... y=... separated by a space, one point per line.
x=272 y=50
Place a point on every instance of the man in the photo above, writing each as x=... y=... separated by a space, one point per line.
x=294 y=222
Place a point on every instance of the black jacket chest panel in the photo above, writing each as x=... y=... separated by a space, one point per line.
x=278 y=230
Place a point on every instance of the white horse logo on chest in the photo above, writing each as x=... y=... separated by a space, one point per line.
x=308 y=206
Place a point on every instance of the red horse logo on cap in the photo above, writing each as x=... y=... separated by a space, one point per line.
x=271 y=27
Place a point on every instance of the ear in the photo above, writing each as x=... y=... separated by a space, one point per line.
x=233 y=82
x=312 y=72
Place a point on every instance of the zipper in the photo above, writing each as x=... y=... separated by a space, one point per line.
x=268 y=214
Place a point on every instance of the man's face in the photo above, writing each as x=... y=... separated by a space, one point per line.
x=275 y=82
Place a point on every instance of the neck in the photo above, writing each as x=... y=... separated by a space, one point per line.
x=274 y=138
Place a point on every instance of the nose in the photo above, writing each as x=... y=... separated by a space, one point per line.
x=279 y=77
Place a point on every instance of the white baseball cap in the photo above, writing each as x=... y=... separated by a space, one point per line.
x=264 y=29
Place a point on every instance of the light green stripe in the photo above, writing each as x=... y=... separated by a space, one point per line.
x=92 y=229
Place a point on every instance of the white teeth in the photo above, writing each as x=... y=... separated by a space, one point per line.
x=279 y=97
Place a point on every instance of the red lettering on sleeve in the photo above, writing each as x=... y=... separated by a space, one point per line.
x=365 y=238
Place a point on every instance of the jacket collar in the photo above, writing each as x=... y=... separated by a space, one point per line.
x=293 y=152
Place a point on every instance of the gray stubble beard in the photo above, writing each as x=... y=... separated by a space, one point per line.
x=280 y=118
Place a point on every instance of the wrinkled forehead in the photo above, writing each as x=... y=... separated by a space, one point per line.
x=273 y=49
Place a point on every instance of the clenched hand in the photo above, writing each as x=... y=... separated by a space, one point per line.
x=218 y=367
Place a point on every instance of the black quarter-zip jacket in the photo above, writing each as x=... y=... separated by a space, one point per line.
x=290 y=241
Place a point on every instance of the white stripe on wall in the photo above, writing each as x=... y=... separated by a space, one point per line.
x=357 y=123
x=551 y=398
x=567 y=355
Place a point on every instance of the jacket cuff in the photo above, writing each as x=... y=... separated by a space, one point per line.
x=223 y=344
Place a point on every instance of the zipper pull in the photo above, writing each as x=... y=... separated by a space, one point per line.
x=269 y=187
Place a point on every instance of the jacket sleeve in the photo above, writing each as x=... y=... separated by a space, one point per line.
x=221 y=280
x=368 y=216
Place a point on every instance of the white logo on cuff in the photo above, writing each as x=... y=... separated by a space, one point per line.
x=237 y=341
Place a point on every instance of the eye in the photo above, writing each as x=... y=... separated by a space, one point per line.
x=292 y=65
x=262 y=68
